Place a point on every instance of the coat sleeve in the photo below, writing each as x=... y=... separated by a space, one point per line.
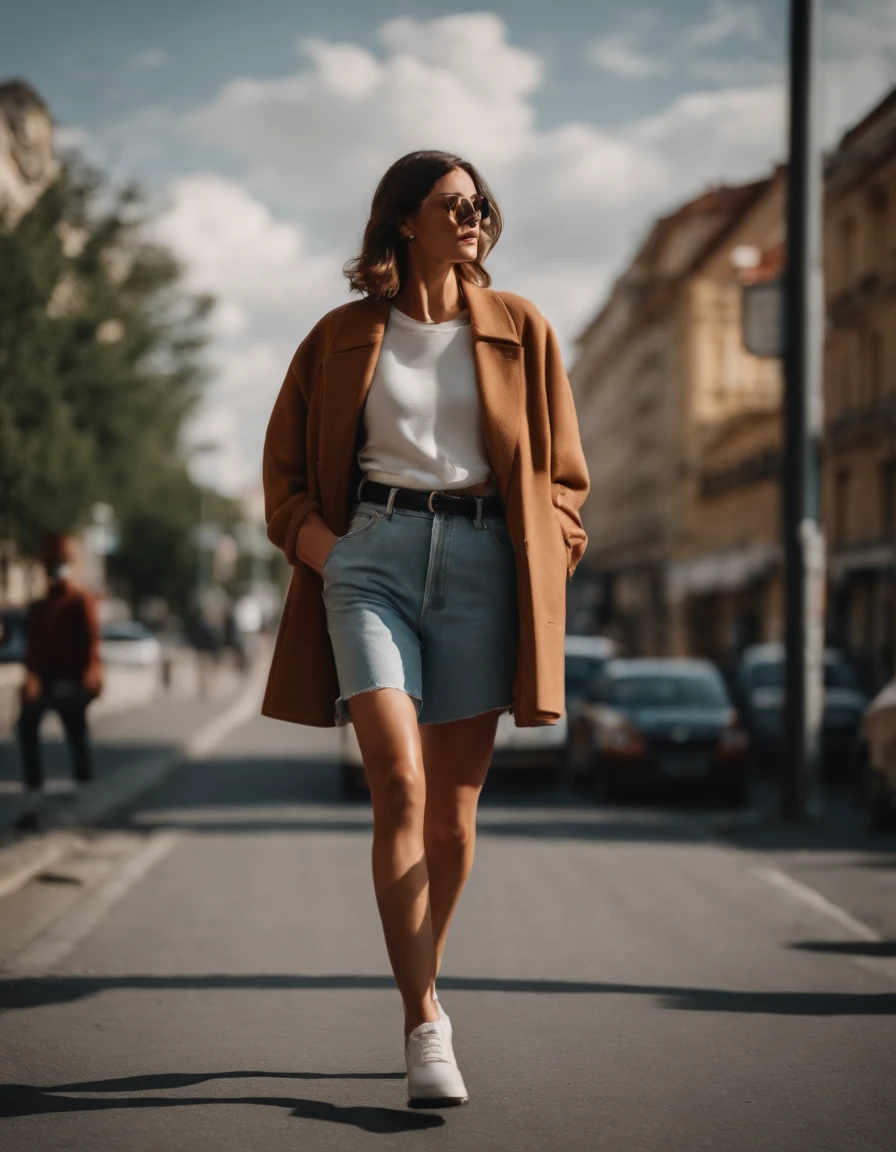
x=284 y=468
x=569 y=472
x=93 y=663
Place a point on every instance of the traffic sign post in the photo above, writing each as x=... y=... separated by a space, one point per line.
x=803 y=315
x=762 y=316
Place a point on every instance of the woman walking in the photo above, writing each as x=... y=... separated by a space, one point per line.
x=423 y=474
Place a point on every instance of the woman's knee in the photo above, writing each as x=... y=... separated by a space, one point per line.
x=449 y=831
x=398 y=794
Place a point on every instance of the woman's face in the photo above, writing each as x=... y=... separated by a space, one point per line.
x=435 y=231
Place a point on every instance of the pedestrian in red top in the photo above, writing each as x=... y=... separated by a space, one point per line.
x=63 y=671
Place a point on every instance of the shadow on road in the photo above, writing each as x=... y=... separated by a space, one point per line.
x=33 y=1100
x=883 y=949
x=263 y=794
x=35 y=992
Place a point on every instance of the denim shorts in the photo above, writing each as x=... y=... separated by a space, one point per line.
x=424 y=602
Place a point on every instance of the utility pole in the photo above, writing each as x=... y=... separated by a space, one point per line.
x=803 y=319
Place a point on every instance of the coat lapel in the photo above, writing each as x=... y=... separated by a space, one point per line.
x=498 y=359
x=348 y=371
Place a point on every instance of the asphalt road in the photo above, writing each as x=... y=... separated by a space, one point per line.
x=212 y=976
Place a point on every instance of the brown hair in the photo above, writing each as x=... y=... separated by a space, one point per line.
x=381 y=265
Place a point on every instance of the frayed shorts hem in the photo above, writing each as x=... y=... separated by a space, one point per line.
x=343 y=716
x=453 y=719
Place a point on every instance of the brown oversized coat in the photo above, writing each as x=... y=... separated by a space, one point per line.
x=532 y=439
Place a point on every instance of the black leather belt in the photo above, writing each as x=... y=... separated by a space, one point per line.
x=418 y=500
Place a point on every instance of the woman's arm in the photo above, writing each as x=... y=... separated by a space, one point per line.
x=289 y=510
x=569 y=472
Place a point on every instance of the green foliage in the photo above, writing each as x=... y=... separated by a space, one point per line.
x=100 y=366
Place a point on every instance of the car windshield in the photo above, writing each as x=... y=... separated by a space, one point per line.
x=667 y=692
x=580 y=672
x=125 y=630
x=770 y=674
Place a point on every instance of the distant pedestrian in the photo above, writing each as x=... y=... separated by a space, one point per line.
x=423 y=474
x=234 y=640
x=63 y=672
x=206 y=642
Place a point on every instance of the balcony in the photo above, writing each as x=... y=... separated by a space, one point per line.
x=861 y=424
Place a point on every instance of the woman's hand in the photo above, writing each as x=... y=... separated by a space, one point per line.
x=314 y=542
x=32 y=688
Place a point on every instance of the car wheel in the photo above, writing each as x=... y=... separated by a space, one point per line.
x=734 y=790
x=578 y=755
x=882 y=817
x=350 y=785
x=860 y=772
x=603 y=782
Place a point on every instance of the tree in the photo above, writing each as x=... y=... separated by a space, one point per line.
x=100 y=367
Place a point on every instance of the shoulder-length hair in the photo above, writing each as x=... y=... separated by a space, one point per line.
x=381 y=265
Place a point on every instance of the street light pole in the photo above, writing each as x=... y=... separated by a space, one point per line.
x=803 y=318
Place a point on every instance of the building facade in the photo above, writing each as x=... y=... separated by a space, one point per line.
x=27 y=163
x=859 y=473
x=660 y=371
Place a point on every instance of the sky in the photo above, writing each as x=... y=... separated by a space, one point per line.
x=260 y=132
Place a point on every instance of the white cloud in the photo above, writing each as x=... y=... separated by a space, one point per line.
x=619 y=53
x=147 y=59
x=576 y=195
x=268 y=288
x=71 y=136
x=726 y=21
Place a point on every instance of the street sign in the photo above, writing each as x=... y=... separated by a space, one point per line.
x=763 y=318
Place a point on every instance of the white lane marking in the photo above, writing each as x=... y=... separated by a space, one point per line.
x=22 y=863
x=820 y=903
x=220 y=727
x=53 y=944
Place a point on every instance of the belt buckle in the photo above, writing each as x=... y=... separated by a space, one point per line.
x=429 y=501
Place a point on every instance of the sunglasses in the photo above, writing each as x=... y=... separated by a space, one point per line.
x=461 y=209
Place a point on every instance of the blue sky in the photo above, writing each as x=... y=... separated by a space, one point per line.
x=261 y=130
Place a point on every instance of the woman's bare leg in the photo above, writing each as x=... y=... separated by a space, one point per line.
x=386 y=724
x=456 y=757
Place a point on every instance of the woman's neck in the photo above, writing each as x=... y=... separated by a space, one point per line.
x=433 y=298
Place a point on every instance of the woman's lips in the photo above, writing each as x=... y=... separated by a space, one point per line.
x=468 y=239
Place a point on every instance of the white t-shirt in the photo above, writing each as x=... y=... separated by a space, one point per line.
x=422 y=417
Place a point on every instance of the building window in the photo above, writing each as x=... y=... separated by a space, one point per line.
x=888 y=498
x=842 y=489
x=879 y=211
x=874 y=365
x=848 y=269
x=846 y=376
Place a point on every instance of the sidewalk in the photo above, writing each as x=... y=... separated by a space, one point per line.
x=134 y=749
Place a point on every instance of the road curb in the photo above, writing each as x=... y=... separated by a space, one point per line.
x=24 y=859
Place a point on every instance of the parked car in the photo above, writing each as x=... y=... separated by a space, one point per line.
x=546 y=747
x=665 y=720
x=12 y=636
x=130 y=643
x=586 y=659
x=529 y=748
x=760 y=678
x=876 y=757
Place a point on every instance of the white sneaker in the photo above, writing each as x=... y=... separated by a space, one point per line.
x=434 y=1080
x=443 y=1015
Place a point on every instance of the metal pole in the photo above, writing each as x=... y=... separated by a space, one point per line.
x=200 y=543
x=803 y=312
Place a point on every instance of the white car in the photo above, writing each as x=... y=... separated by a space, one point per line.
x=876 y=753
x=544 y=747
x=129 y=643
